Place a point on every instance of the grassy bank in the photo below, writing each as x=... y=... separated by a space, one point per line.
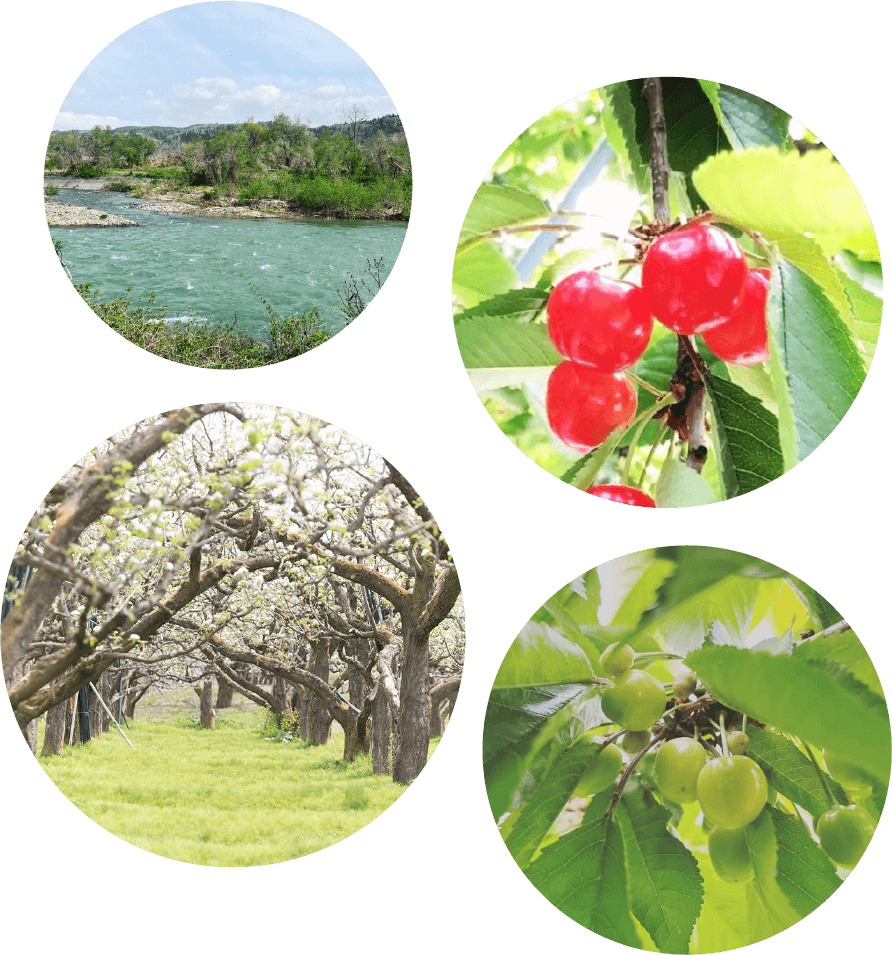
x=319 y=197
x=280 y=195
x=227 y=797
x=218 y=344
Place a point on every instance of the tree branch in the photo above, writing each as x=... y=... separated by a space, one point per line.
x=698 y=448
x=659 y=156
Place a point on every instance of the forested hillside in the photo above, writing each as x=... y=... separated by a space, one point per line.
x=174 y=137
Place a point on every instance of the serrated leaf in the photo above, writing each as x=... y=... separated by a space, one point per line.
x=807 y=699
x=822 y=612
x=547 y=799
x=808 y=257
x=583 y=875
x=493 y=342
x=791 y=772
x=747 y=436
x=815 y=366
x=521 y=304
x=642 y=595
x=481 y=271
x=621 y=126
x=495 y=207
x=793 y=875
x=540 y=655
x=514 y=715
x=665 y=885
x=846 y=650
x=750 y=121
x=867 y=310
x=583 y=472
x=785 y=194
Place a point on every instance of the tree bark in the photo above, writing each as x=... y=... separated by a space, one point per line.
x=224 y=695
x=54 y=738
x=29 y=727
x=318 y=716
x=382 y=733
x=281 y=702
x=208 y=720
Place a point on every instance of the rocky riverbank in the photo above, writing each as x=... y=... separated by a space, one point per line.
x=198 y=201
x=60 y=214
x=177 y=207
x=195 y=201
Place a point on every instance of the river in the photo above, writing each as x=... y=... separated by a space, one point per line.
x=204 y=267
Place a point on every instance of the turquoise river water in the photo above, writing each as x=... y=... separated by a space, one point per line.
x=205 y=266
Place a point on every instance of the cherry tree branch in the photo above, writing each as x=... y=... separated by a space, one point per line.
x=698 y=448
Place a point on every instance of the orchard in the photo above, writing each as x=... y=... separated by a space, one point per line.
x=667 y=292
x=648 y=766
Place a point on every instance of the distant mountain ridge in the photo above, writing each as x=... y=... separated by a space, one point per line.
x=173 y=137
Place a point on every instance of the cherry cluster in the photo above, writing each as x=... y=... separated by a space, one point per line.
x=694 y=280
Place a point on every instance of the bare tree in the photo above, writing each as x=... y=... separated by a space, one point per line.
x=353 y=116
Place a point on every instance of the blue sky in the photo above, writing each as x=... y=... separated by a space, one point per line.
x=220 y=63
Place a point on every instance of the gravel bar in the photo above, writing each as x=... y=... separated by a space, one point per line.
x=60 y=214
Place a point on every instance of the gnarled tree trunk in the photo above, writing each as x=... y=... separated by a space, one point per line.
x=318 y=716
x=382 y=735
x=54 y=738
x=206 y=695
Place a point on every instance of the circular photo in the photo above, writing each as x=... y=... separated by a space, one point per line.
x=667 y=292
x=227 y=185
x=232 y=634
x=687 y=750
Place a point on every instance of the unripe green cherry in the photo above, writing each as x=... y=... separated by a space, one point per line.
x=844 y=833
x=600 y=772
x=730 y=855
x=732 y=791
x=684 y=686
x=845 y=773
x=635 y=700
x=617 y=658
x=633 y=742
x=738 y=743
x=677 y=768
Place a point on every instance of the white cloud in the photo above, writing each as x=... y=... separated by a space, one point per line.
x=221 y=99
x=68 y=120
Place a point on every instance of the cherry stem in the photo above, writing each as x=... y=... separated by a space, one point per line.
x=656 y=655
x=627 y=772
x=743 y=726
x=707 y=746
x=643 y=384
x=724 y=734
x=650 y=453
x=630 y=450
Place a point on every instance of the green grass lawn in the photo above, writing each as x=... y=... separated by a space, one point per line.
x=227 y=797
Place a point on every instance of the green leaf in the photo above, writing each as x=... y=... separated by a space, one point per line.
x=515 y=715
x=583 y=875
x=747 y=436
x=481 y=271
x=750 y=121
x=495 y=207
x=815 y=366
x=495 y=342
x=541 y=655
x=808 y=257
x=583 y=472
x=813 y=700
x=498 y=345
x=785 y=194
x=665 y=885
x=521 y=304
x=822 y=612
x=867 y=310
x=791 y=772
x=642 y=595
x=846 y=650
x=624 y=102
x=547 y=799
x=793 y=875
x=503 y=774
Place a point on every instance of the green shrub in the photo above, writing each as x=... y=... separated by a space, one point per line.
x=49 y=190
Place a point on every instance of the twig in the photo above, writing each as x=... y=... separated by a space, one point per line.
x=659 y=156
x=659 y=173
x=621 y=785
x=839 y=627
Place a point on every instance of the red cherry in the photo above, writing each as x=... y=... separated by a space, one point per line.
x=743 y=338
x=599 y=321
x=692 y=278
x=622 y=495
x=584 y=405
